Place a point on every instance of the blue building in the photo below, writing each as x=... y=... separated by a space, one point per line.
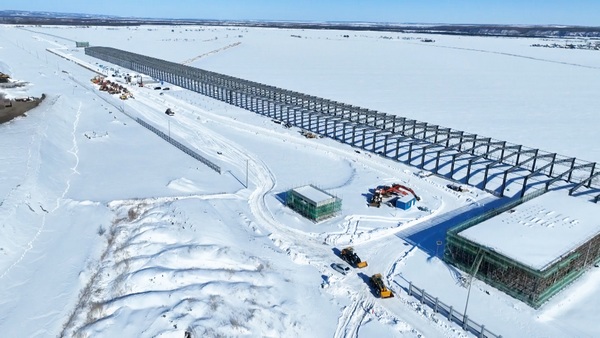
x=405 y=202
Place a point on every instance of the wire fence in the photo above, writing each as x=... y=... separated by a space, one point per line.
x=153 y=129
x=450 y=313
x=180 y=146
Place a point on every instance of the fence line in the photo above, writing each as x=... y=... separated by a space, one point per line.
x=177 y=144
x=450 y=313
x=153 y=129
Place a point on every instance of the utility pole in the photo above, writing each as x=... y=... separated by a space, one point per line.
x=476 y=264
x=246 y=174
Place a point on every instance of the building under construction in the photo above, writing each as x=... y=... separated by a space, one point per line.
x=313 y=203
x=530 y=251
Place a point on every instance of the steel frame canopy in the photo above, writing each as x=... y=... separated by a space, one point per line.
x=224 y=87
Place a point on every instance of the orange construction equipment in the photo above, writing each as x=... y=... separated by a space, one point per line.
x=409 y=190
x=385 y=192
x=377 y=283
x=397 y=189
x=352 y=258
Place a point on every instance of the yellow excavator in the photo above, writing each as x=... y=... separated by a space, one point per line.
x=352 y=258
x=377 y=283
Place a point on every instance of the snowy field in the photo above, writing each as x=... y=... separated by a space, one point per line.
x=107 y=230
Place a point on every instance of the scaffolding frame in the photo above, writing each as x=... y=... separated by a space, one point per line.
x=312 y=209
x=532 y=286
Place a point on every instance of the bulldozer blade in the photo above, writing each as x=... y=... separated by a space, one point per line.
x=362 y=264
x=387 y=294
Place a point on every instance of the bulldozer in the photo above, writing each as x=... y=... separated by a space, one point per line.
x=377 y=283
x=352 y=258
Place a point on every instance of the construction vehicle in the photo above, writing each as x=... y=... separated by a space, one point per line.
x=97 y=79
x=376 y=199
x=457 y=188
x=169 y=112
x=385 y=192
x=308 y=134
x=352 y=258
x=4 y=77
x=398 y=189
x=377 y=283
x=409 y=190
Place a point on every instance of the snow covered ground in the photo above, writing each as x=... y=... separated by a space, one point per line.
x=108 y=230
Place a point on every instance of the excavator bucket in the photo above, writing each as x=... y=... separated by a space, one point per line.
x=362 y=264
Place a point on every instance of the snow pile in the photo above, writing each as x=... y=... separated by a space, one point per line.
x=183 y=185
x=169 y=274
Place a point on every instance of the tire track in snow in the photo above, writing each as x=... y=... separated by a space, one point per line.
x=352 y=318
x=509 y=54
x=196 y=58
x=74 y=150
x=31 y=174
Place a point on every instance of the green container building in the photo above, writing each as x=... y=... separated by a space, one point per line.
x=313 y=203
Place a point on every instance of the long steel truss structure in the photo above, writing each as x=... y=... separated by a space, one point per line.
x=420 y=144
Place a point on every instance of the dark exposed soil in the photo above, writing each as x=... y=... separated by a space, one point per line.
x=17 y=108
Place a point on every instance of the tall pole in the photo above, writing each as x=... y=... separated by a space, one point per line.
x=476 y=264
x=467 y=302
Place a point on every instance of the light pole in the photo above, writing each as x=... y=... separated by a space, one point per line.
x=467 y=302
x=476 y=264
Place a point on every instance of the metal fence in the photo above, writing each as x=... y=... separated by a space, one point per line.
x=153 y=129
x=450 y=313
x=177 y=144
